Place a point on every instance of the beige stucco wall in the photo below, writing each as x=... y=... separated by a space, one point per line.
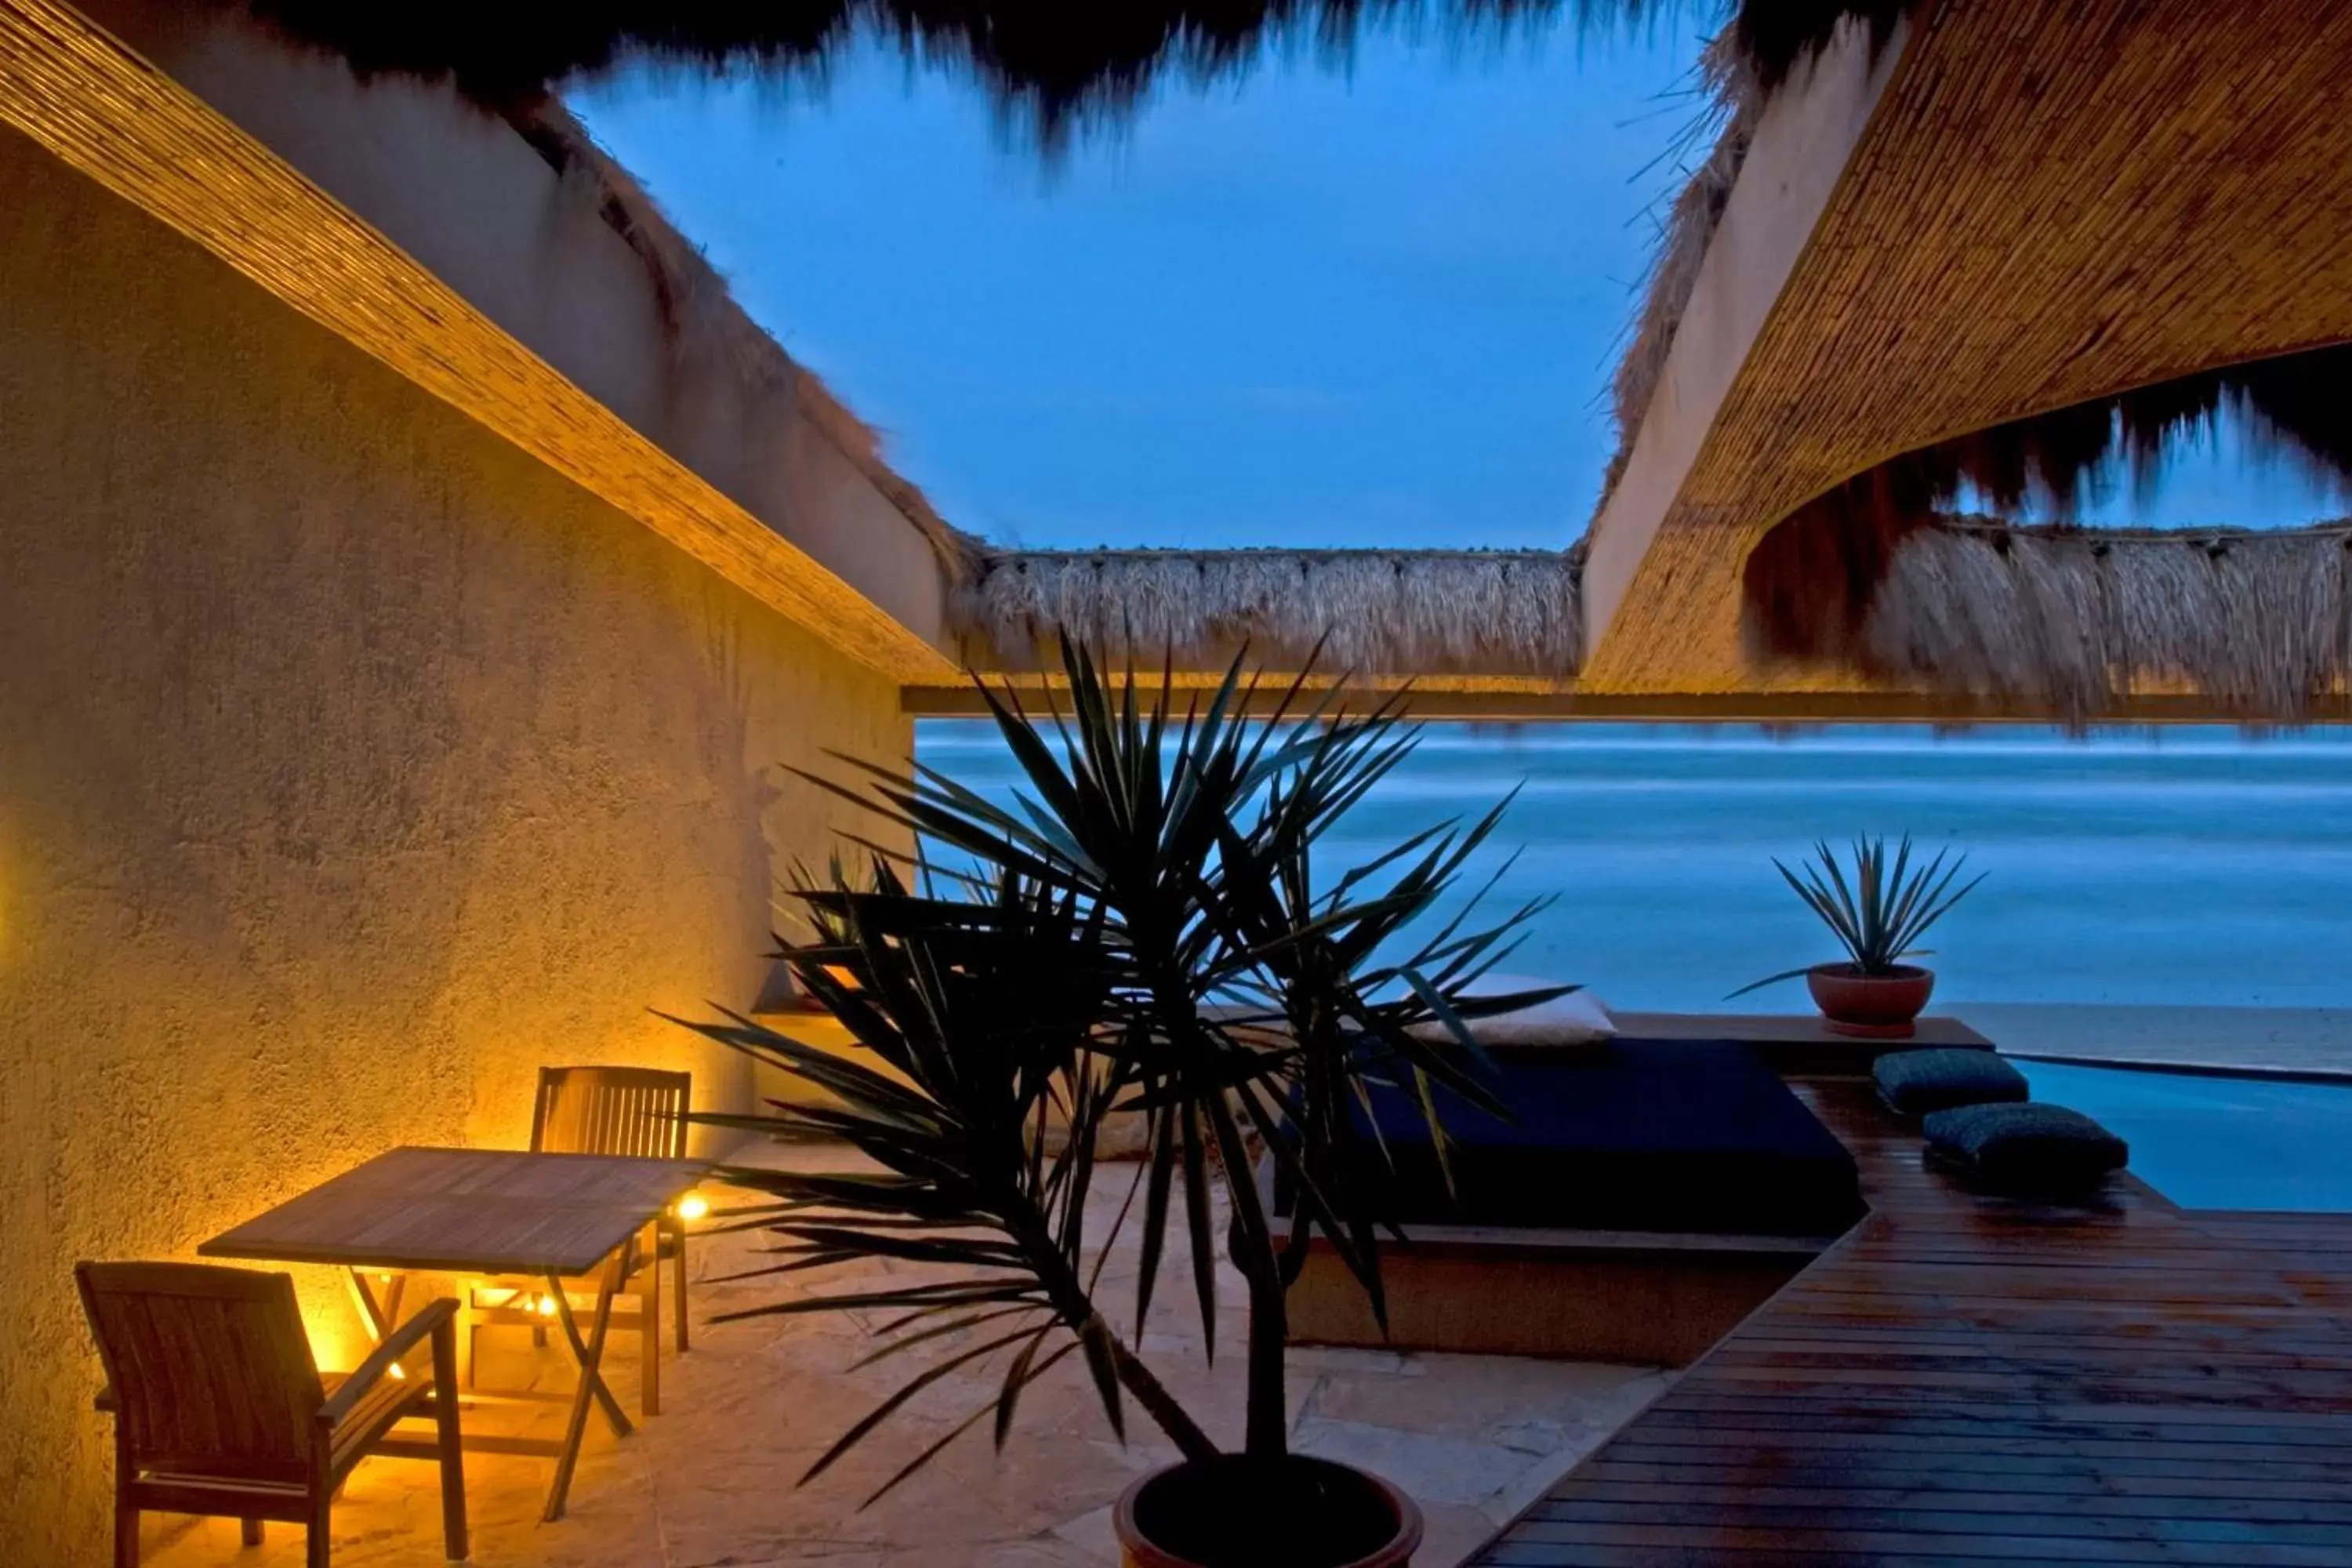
x=351 y=765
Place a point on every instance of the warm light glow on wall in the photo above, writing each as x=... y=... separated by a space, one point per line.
x=693 y=1206
x=500 y=1296
x=338 y=1343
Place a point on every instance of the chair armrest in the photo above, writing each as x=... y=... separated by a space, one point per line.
x=437 y=1318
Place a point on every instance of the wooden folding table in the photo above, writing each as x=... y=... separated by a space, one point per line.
x=482 y=1212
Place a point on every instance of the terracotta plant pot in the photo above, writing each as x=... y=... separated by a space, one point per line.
x=1870 y=1006
x=1295 y=1512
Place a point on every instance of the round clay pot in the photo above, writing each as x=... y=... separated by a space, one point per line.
x=1870 y=1006
x=1298 y=1512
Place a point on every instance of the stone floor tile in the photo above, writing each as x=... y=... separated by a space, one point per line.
x=1450 y=1533
x=1092 y=1533
x=714 y=1481
x=1433 y=1468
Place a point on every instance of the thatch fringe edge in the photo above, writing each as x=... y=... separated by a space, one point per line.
x=2073 y=620
x=1378 y=612
x=1726 y=124
x=707 y=324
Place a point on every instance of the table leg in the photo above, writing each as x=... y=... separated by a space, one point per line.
x=372 y=1317
x=649 y=1329
x=377 y=1316
x=590 y=1355
x=592 y=1382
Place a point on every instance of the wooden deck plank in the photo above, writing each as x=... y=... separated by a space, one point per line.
x=1964 y=1381
x=1668 y=1484
x=1956 y=1511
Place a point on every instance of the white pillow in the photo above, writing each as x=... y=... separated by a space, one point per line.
x=1575 y=1019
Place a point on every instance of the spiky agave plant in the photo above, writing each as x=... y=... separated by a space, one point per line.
x=1880 y=912
x=1158 y=836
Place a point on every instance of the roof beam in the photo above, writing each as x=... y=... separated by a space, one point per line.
x=1803 y=145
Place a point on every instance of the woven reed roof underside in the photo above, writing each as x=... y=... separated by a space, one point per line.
x=1510 y=616
x=2170 y=196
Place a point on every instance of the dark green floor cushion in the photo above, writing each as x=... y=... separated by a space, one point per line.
x=2018 y=1148
x=1914 y=1083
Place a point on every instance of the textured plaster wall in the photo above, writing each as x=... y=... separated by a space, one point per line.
x=351 y=765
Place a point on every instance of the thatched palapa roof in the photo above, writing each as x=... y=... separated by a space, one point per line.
x=1733 y=100
x=1876 y=576
x=1946 y=204
x=2291 y=408
x=1810 y=581
x=1046 y=62
x=2071 y=621
x=2060 y=235
x=1410 y=611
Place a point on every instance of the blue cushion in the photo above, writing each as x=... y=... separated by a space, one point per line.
x=1914 y=1083
x=2025 y=1149
x=1655 y=1135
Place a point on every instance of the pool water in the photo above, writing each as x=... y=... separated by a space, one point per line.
x=2210 y=1142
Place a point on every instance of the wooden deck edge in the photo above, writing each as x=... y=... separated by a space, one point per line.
x=1827 y=1258
x=2264 y=1071
x=1494 y=1538
x=1948 y=1326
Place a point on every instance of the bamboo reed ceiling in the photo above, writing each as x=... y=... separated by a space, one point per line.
x=2051 y=203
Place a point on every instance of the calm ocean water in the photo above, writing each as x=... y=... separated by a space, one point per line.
x=2190 y=866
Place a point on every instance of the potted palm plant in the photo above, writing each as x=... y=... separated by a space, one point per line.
x=1143 y=931
x=1878 y=913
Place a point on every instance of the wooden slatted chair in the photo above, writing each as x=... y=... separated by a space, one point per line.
x=636 y=1111
x=639 y=1112
x=220 y=1409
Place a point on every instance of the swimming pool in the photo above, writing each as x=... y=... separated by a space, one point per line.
x=2209 y=1142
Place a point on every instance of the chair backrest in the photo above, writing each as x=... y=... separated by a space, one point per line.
x=612 y=1110
x=210 y=1370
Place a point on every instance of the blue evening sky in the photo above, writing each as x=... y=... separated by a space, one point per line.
x=1373 y=305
